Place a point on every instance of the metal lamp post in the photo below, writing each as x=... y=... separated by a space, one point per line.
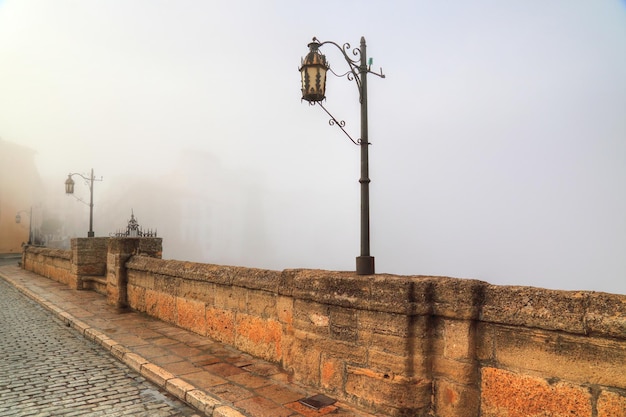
x=313 y=70
x=69 y=189
x=18 y=220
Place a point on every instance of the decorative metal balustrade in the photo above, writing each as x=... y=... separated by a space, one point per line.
x=133 y=229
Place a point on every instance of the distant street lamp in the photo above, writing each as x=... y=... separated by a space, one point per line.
x=69 y=189
x=18 y=220
x=313 y=70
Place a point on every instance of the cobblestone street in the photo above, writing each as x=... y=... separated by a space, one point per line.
x=47 y=369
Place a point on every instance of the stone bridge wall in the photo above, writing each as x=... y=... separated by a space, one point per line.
x=406 y=345
x=396 y=345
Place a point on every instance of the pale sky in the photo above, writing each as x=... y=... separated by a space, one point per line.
x=498 y=136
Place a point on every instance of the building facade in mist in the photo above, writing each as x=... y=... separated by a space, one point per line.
x=20 y=190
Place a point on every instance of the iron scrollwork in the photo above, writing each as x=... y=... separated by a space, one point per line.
x=353 y=74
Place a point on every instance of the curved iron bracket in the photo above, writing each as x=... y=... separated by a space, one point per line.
x=354 y=64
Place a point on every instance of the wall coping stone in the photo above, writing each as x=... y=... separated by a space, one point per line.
x=54 y=253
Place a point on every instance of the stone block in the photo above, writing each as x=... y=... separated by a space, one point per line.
x=220 y=325
x=134 y=361
x=343 y=323
x=580 y=359
x=390 y=394
x=303 y=359
x=485 y=342
x=535 y=307
x=332 y=288
x=137 y=297
x=457 y=298
x=332 y=374
x=606 y=315
x=191 y=315
x=284 y=310
x=230 y=298
x=257 y=279
x=197 y=290
x=456 y=371
x=505 y=393
x=226 y=411
x=350 y=352
x=401 y=346
x=156 y=374
x=261 y=304
x=140 y=279
x=390 y=364
x=458 y=339
x=378 y=322
x=161 y=306
x=455 y=400
x=167 y=284
x=311 y=317
x=259 y=337
x=611 y=404
x=178 y=387
x=202 y=402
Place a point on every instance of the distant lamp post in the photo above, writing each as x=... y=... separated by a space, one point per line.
x=69 y=189
x=18 y=220
x=313 y=70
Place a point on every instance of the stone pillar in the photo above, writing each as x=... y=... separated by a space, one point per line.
x=119 y=251
x=89 y=258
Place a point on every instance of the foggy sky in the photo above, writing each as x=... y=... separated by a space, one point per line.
x=498 y=137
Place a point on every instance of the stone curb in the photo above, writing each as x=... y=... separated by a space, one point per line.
x=182 y=390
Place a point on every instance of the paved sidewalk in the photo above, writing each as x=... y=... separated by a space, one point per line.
x=216 y=379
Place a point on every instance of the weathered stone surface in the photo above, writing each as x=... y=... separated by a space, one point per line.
x=303 y=360
x=335 y=288
x=462 y=372
x=606 y=315
x=457 y=298
x=258 y=279
x=259 y=337
x=557 y=355
x=136 y=297
x=458 y=339
x=456 y=400
x=388 y=393
x=191 y=314
x=611 y=404
x=220 y=325
x=160 y=305
x=261 y=303
x=332 y=374
x=509 y=394
x=197 y=290
x=535 y=307
x=311 y=317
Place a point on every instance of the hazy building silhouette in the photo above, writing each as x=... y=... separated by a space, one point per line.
x=20 y=189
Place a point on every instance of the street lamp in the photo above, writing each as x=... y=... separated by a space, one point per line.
x=313 y=70
x=18 y=220
x=69 y=189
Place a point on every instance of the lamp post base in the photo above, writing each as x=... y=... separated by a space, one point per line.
x=365 y=265
x=90 y=234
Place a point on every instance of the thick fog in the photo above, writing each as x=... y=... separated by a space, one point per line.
x=498 y=136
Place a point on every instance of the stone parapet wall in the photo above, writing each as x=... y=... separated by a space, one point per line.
x=413 y=345
x=51 y=263
x=395 y=345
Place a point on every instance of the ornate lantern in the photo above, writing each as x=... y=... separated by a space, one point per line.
x=313 y=71
x=69 y=185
